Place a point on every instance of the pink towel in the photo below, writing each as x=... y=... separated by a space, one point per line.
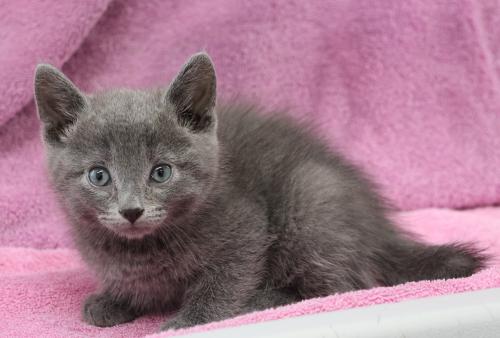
x=41 y=291
x=408 y=89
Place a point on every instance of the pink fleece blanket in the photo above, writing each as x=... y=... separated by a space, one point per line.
x=42 y=290
x=408 y=89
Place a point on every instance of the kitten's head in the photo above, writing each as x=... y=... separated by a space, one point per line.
x=131 y=161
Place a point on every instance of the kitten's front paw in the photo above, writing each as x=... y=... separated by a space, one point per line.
x=100 y=310
x=175 y=323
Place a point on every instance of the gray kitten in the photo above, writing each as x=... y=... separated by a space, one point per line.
x=213 y=214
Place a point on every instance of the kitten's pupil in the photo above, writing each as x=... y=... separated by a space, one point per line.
x=160 y=171
x=99 y=175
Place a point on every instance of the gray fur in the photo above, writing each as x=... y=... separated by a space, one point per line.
x=258 y=213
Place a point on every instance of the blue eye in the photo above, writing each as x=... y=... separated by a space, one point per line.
x=99 y=176
x=161 y=173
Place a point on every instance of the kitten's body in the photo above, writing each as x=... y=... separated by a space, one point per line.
x=261 y=213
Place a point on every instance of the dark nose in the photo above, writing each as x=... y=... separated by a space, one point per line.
x=132 y=214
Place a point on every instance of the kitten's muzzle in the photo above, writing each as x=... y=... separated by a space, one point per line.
x=131 y=214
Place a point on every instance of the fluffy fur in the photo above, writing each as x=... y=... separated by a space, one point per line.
x=257 y=213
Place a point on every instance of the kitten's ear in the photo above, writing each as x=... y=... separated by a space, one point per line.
x=193 y=93
x=58 y=101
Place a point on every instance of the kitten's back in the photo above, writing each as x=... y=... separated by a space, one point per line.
x=264 y=151
x=332 y=229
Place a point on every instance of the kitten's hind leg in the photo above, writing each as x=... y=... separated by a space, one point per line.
x=102 y=310
x=326 y=232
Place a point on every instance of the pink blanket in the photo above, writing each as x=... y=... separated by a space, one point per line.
x=408 y=89
x=42 y=290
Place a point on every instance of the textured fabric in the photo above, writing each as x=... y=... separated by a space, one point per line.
x=407 y=89
x=41 y=291
x=38 y=31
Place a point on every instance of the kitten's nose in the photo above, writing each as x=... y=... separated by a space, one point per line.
x=132 y=214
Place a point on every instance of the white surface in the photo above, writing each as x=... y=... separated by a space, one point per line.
x=471 y=314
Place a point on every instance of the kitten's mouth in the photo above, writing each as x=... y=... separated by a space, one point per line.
x=135 y=232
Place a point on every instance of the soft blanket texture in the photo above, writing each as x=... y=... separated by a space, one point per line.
x=408 y=89
x=42 y=290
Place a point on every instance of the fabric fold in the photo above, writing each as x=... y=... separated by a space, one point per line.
x=33 y=32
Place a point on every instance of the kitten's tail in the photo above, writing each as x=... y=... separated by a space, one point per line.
x=412 y=261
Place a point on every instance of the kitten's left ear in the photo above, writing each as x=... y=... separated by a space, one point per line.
x=193 y=94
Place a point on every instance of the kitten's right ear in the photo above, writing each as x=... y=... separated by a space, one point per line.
x=58 y=101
